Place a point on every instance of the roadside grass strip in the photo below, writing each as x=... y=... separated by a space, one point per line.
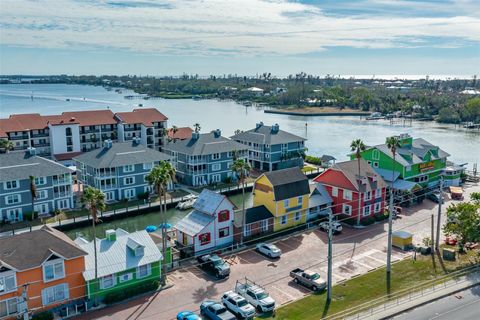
x=371 y=289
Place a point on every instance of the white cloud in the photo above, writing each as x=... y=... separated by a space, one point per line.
x=237 y=27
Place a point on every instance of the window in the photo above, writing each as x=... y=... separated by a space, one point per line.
x=367 y=195
x=298 y=216
x=223 y=215
x=55 y=294
x=63 y=204
x=376 y=154
x=347 y=194
x=334 y=191
x=284 y=219
x=421 y=179
x=300 y=200
x=375 y=164
x=128 y=168
x=204 y=238
x=230 y=154
x=7 y=281
x=125 y=277
x=286 y=203
x=53 y=270
x=215 y=156
x=107 y=281
x=408 y=168
x=129 y=193
x=224 y=232
x=40 y=181
x=147 y=166
x=11 y=185
x=377 y=207
x=68 y=132
x=8 y=307
x=216 y=178
x=109 y=196
x=247 y=230
x=128 y=181
x=14 y=214
x=264 y=225
x=144 y=271
x=378 y=193
x=267 y=155
x=346 y=209
x=216 y=167
x=366 y=211
x=42 y=194
x=13 y=198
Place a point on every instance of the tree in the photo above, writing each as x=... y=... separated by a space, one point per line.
x=463 y=221
x=475 y=197
x=94 y=199
x=197 y=127
x=33 y=194
x=392 y=143
x=358 y=147
x=472 y=110
x=241 y=168
x=6 y=145
x=174 y=131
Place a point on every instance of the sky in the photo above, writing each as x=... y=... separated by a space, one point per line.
x=245 y=37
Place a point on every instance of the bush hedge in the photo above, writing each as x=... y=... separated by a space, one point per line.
x=367 y=221
x=379 y=216
x=128 y=292
x=45 y=315
x=313 y=160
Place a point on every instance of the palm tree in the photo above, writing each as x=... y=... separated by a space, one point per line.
x=170 y=172
x=241 y=168
x=392 y=143
x=94 y=199
x=157 y=178
x=33 y=193
x=197 y=127
x=6 y=145
x=174 y=131
x=358 y=146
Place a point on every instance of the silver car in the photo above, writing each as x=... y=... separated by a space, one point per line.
x=268 y=249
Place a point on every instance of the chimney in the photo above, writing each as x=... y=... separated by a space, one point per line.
x=258 y=125
x=111 y=235
x=217 y=133
x=195 y=135
x=275 y=128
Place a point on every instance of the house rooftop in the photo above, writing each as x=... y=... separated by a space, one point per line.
x=350 y=170
x=181 y=134
x=288 y=183
x=145 y=116
x=22 y=165
x=208 y=201
x=205 y=144
x=120 y=154
x=30 y=249
x=258 y=213
x=194 y=222
x=270 y=135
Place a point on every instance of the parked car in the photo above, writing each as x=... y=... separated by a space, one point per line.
x=268 y=249
x=215 y=311
x=308 y=279
x=214 y=265
x=238 y=305
x=435 y=197
x=187 y=315
x=336 y=226
x=256 y=296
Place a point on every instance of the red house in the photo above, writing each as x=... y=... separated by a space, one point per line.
x=354 y=195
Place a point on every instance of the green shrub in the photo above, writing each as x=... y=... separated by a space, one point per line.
x=379 y=216
x=367 y=221
x=348 y=220
x=128 y=292
x=28 y=216
x=313 y=160
x=45 y=315
x=227 y=180
x=143 y=195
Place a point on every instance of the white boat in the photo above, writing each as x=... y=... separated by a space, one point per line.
x=184 y=205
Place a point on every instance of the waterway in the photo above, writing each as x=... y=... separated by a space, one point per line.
x=326 y=135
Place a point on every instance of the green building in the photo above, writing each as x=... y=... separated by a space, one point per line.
x=418 y=164
x=125 y=260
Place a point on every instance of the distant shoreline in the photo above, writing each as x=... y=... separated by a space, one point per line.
x=317 y=111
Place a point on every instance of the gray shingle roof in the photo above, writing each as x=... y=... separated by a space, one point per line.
x=418 y=150
x=255 y=214
x=288 y=183
x=264 y=135
x=30 y=249
x=21 y=165
x=319 y=196
x=120 y=154
x=350 y=170
x=206 y=144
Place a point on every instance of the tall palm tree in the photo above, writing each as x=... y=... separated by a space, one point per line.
x=6 y=145
x=170 y=172
x=33 y=193
x=358 y=147
x=241 y=168
x=174 y=131
x=197 y=127
x=157 y=178
x=392 y=143
x=94 y=199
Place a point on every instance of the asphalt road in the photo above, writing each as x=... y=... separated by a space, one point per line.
x=463 y=305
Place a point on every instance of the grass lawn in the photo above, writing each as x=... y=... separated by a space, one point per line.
x=308 y=169
x=354 y=292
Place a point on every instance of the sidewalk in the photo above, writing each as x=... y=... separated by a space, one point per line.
x=419 y=298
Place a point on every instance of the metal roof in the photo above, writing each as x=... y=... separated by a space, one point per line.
x=319 y=196
x=264 y=135
x=387 y=174
x=194 y=222
x=21 y=165
x=121 y=154
x=115 y=256
x=208 y=201
x=404 y=185
x=207 y=143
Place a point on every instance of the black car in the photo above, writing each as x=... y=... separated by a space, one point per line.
x=214 y=265
x=435 y=197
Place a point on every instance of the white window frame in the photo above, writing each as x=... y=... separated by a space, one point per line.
x=378 y=193
x=126 y=179
x=42 y=194
x=11 y=187
x=139 y=271
x=344 y=206
x=131 y=193
x=10 y=303
x=284 y=219
x=375 y=164
x=216 y=167
x=334 y=191
x=13 y=198
x=367 y=195
x=40 y=181
x=267 y=155
x=375 y=154
x=365 y=213
x=298 y=216
x=286 y=203
x=215 y=156
x=63 y=204
x=377 y=207
x=15 y=211
x=3 y=281
x=53 y=264
x=347 y=194
x=129 y=168
x=125 y=277
x=53 y=292
x=109 y=196
x=148 y=166
x=300 y=200
x=264 y=226
x=109 y=277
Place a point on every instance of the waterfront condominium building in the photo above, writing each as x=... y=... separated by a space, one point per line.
x=270 y=148
x=205 y=158
x=118 y=169
x=64 y=136
x=53 y=185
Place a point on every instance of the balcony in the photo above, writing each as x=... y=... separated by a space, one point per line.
x=197 y=161
x=40 y=135
x=38 y=145
x=21 y=137
x=132 y=129
x=62 y=194
x=57 y=182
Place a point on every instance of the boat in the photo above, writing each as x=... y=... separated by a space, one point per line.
x=247 y=103
x=184 y=205
x=469 y=125
x=140 y=105
x=375 y=116
x=67 y=99
x=197 y=97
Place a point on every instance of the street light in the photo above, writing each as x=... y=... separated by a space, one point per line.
x=330 y=258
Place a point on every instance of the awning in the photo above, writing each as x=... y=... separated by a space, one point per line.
x=404 y=185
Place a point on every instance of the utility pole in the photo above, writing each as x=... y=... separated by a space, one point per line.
x=22 y=305
x=330 y=258
x=432 y=245
x=389 y=241
x=439 y=216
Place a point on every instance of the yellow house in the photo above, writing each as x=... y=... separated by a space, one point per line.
x=285 y=193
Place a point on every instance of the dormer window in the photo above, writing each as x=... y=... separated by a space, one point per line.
x=53 y=270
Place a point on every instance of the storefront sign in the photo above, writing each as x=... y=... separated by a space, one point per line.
x=426 y=166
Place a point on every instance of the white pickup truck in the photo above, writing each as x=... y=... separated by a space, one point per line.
x=256 y=296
